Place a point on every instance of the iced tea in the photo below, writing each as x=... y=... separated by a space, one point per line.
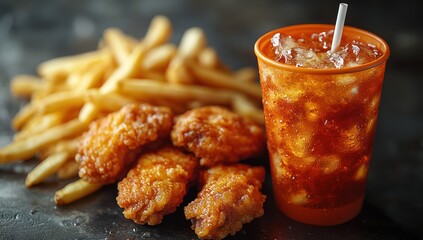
x=320 y=111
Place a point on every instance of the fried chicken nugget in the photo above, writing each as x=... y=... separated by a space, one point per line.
x=111 y=143
x=156 y=185
x=217 y=135
x=229 y=198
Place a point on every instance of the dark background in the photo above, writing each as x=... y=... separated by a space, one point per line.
x=34 y=31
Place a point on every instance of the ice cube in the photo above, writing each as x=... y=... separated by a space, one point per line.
x=279 y=165
x=283 y=46
x=293 y=94
x=355 y=49
x=337 y=59
x=354 y=90
x=299 y=143
x=329 y=164
x=311 y=110
x=343 y=80
x=276 y=39
x=352 y=64
x=299 y=198
x=361 y=172
x=351 y=139
x=305 y=57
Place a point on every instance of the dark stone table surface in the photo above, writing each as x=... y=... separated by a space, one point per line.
x=34 y=31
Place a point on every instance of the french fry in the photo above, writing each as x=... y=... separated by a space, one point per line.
x=158 y=58
x=246 y=108
x=46 y=168
x=61 y=100
x=177 y=71
x=48 y=88
x=65 y=65
x=158 y=32
x=68 y=170
x=68 y=145
x=110 y=101
x=153 y=75
x=192 y=43
x=128 y=69
x=88 y=112
x=28 y=147
x=118 y=44
x=247 y=74
x=208 y=58
x=23 y=116
x=74 y=191
x=39 y=124
x=184 y=93
x=25 y=85
x=92 y=77
x=211 y=77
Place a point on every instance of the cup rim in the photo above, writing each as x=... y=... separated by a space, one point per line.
x=383 y=46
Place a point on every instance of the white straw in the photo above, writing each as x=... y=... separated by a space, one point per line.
x=339 y=26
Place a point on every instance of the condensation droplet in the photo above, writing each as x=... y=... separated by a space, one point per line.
x=67 y=223
x=79 y=220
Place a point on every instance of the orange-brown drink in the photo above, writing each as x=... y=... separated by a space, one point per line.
x=320 y=110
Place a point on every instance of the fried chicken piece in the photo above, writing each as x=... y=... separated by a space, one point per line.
x=229 y=198
x=110 y=145
x=156 y=185
x=217 y=135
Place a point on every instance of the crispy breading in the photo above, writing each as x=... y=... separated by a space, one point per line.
x=229 y=198
x=110 y=145
x=156 y=185
x=217 y=135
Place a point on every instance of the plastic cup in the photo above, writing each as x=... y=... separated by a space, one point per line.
x=320 y=125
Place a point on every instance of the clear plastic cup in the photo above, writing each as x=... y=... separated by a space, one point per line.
x=320 y=125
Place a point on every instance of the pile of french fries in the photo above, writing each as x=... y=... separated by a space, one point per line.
x=70 y=92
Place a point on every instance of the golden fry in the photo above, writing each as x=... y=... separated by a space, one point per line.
x=158 y=32
x=177 y=71
x=92 y=78
x=158 y=58
x=119 y=46
x=208 y=58
x=74 y=191
x=154 y=89
x=128 y=69
x=23 y=116
x=25 y=85
x=28 y=147
x=65 y=65
x=46 y=168
x=110 y=101
x=247 y=74
x=60 y=101
x=192 y=43
x=88 y=112
x=68 y=145
x=39 y=123
x=68 y=170
x=246 y=108
x=218 y=79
